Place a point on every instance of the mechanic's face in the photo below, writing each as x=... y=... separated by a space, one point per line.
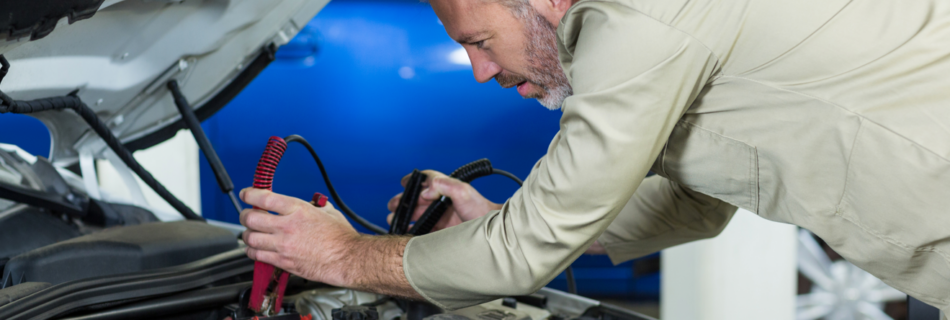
x=517 y=49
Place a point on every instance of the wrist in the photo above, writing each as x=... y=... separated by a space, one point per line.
x=373 y=263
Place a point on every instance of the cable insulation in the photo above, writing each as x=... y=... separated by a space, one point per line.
x=336 y=197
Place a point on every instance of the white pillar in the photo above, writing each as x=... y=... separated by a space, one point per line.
x=174 y=163
x=747 y=272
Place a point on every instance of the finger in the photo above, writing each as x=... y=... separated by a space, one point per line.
x=394 y=202
x=444 y=185
x=431 y=175
x=268 y=257
x=260 y=241
x=389 y=218
x=259 y=220
x=267 y=200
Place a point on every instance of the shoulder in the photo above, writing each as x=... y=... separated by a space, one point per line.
x=614 y=15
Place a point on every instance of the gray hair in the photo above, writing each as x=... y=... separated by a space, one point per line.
x=520 y=8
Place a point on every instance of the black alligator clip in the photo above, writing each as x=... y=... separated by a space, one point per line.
x=408 y=203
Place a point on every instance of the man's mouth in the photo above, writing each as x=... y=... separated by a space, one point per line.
x=524 y=89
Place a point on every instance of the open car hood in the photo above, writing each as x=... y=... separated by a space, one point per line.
x=120 y=54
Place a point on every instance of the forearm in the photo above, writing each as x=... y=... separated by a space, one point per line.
x=374 y=264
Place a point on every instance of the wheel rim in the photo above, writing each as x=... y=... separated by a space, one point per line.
x=840 y=290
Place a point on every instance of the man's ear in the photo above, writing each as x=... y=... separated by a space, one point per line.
x=562 y=5
x=552 y=10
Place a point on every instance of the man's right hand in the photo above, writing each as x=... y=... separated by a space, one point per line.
x=467 y=203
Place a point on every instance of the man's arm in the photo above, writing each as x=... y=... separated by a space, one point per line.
x=319 y=244
x=633 y=77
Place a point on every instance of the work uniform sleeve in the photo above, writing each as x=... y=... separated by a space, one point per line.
x=662 y=214
x=633 y=78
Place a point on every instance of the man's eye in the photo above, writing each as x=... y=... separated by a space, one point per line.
x=480 y=44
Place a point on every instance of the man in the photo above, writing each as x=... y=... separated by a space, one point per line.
x=833 y=115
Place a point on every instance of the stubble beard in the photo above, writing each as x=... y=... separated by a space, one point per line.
x=543 y=65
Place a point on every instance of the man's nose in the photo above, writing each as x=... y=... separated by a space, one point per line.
x=483 y=68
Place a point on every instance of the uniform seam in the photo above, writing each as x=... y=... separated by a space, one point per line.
x=799 y=44
x=753 y=165
x=847 y=168
x=754 y=178
x=860 y=116
x=405 y=267
x=903 y=246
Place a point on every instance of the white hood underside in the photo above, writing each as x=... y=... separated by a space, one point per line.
x=121 y=58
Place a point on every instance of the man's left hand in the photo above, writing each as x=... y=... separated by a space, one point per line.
x=302 y=239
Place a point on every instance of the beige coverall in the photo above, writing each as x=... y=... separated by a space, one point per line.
x=833 y=115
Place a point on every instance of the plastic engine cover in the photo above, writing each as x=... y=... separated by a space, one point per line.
x=119 y=250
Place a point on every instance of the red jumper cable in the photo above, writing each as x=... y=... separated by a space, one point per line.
x=267 y=289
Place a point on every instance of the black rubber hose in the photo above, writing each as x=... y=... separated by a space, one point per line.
x=200 y=299
x=507 y=174
x=4 y=67
x=473 y=170
x=192 y=123
x=73 y=102
x=571 y=283
x=336 y=197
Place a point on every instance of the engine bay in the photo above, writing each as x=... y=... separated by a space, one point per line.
x=111 y=260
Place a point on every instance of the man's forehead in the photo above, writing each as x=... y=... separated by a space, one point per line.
x=467 y=20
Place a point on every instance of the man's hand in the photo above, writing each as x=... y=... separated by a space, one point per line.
x=467 y=203
x=319 y=244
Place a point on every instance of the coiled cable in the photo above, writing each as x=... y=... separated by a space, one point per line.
x=267 y=294
x=467 y=173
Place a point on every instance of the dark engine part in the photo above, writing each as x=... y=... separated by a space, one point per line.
x=109 y=214
x=21 y=290
x=178 y=304
x=119 y=250
x=611 y=312
x=97 y=294
x=24 y=228
x=37 y=19
x=418 y=310
x=355 y=313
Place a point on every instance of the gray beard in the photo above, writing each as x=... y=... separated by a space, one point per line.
x=544 y=66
